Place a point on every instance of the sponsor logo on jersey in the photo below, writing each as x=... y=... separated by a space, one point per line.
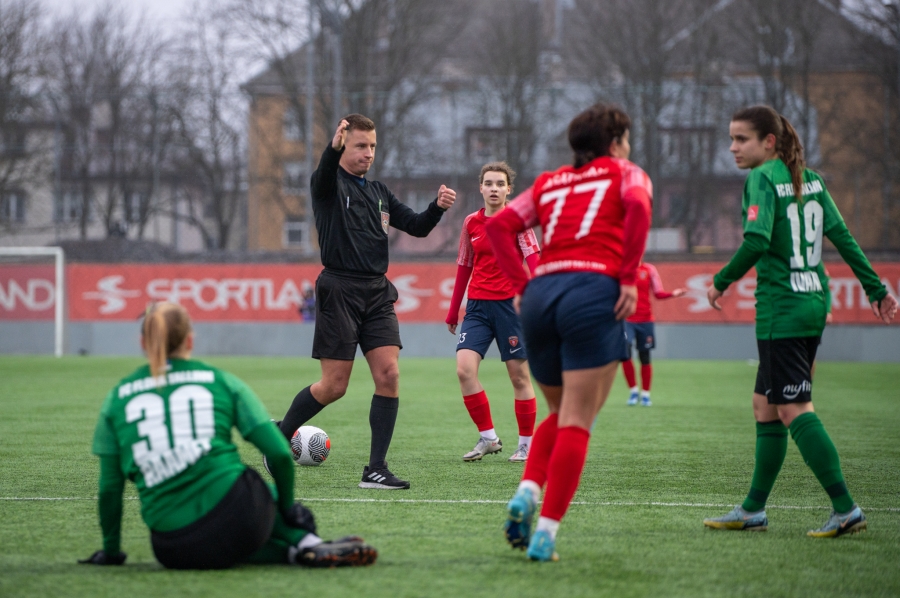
x=566 y=178
x=148 y=383
x=787 y=189
x=806 y=282
x=752 y=213
x=159 y=467
x=791 y=391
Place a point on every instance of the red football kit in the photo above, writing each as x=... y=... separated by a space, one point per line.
x=594 y=218
x=476 y=259
x=647 y=281
x=475 y=251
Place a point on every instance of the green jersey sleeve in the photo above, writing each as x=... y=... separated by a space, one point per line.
x=759 y=204
x=823 y=280
x=837 y=232
x=249 y=410
x=105 y=442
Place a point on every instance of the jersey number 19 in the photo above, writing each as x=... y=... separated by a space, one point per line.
x=812 y=231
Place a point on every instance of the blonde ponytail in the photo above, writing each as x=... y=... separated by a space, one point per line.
x=166 y=325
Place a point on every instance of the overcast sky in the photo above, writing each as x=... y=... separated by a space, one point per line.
x=165 y=11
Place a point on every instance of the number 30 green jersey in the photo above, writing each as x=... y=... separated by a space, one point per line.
x=172 y=436
x=783 y=237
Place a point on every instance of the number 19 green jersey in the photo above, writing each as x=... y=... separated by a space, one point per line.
x=790 y=295
x=172 y=436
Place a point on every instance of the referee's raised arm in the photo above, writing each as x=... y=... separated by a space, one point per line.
x=324 y=179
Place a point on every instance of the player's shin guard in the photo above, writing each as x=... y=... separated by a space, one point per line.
x=628 y=370
x=526 y=413
x=566 y=465
x=382 y=417
x=541 y=448
x=771 y=447
x=303 y=408
x=819 y=453
x=479 y=410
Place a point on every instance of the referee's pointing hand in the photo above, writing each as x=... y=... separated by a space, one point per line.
x=446 y=197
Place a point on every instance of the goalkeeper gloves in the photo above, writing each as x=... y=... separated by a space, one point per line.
x=300 y=517
x=101 y=558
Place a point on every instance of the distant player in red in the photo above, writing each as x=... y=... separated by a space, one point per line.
x=639 y=328
x=490 y=315
x=595 y=216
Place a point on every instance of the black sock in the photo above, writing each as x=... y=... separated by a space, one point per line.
x=382 y=417
x=304 y=408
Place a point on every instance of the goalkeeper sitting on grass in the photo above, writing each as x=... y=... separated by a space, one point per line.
x=167 y=428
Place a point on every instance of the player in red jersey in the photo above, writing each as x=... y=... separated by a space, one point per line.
x=490 y=315
x=595 y=216
x=639 y=329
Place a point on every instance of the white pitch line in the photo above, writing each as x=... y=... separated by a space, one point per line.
x=487 y=502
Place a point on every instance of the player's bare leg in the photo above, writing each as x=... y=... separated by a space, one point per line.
x=335 y=379
x=312 y=399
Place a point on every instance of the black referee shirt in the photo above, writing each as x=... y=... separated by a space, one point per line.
x=352 y=219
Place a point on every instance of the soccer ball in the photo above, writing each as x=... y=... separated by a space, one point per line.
x=310 y=445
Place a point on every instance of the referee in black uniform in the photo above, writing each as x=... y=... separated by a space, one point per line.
x=354 y=299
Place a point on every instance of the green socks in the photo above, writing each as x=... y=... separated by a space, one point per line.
x=771 y=447
x=819 y=453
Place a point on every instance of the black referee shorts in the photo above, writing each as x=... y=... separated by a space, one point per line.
x=235 y=528
x=351 y=311
x=784 y=369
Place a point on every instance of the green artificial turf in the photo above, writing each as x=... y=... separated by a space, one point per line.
x=635 y=528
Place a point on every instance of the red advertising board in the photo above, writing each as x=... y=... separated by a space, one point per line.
x=27 y=292
x=274 y=292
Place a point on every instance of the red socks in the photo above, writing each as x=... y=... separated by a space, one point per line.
x=628 y=370
x=526 y=412
x=541 y=446
x=565 y=467
x=646 y=376
x=479 y=410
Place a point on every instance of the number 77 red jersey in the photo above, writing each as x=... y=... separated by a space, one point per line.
x=594 y=218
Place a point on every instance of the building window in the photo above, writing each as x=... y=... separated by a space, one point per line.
x=12 y=207
x=296 y=232
x=687 y=149
x=12 y=142
x=135 y=206
x=486 y=144
x=291 y=128
x=295 y=181
x=419 y=200
x=67 y=207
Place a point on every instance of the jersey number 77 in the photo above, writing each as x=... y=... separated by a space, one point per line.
x=559 y=196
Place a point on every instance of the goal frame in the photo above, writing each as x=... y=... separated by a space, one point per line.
x=59 y=258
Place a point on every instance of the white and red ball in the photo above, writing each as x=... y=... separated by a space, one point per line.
x=310 y=445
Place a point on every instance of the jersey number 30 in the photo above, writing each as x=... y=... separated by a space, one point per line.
x=812 y=231
x=191 y=418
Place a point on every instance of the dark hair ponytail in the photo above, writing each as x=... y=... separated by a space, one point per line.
x=790 y=150
x=591 y=132
x=766 y=121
